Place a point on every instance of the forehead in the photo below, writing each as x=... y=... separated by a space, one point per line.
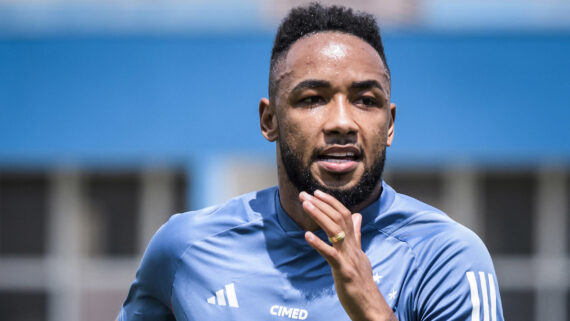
x=326 y=54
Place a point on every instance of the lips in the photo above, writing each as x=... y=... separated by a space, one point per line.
x=339 y=159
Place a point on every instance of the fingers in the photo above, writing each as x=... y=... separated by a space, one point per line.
x=332 y=202
x=327 y=251
x=324 y=215
x=331 y=215
x=357 y=224
x=337 y=207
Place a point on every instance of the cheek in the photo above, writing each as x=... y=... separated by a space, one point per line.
x=376 y=139
x=299 y=128
x=291 y=135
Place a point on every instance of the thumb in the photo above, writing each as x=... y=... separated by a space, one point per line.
x=357 y=223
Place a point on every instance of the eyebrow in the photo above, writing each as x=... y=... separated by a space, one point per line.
x=312 y=84
x=366 y=84
x=315 y=83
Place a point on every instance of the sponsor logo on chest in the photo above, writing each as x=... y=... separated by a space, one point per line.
x=287 y=312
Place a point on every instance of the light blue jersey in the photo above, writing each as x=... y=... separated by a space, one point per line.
x=247 y=260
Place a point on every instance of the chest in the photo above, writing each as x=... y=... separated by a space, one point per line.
x=247 y=277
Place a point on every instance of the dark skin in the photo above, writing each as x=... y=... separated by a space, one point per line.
x=333 y=97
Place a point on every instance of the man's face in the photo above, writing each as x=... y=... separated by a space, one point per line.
x=334 y=118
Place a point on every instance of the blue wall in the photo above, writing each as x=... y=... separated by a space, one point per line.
x=501 y=99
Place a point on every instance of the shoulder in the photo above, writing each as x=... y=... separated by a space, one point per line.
x=447 y=256
x=436 y=241
x=152 y=288
x=183 y=229
x=426 y=229
x=160 y=260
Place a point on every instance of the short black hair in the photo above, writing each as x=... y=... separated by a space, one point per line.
x=313 y=18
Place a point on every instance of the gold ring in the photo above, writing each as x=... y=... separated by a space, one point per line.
x=337 y=238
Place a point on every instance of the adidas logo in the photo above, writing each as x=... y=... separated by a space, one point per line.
x=220 y=297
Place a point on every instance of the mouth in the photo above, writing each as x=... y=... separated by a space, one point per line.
x=339 y=159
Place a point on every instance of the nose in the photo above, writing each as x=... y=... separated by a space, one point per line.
x=340 y=122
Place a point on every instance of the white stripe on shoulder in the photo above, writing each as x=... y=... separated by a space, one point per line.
x=474 y=296
x=493 y=295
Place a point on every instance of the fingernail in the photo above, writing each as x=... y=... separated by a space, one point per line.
x=309 y=236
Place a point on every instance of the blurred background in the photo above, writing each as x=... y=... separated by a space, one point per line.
x=116 y=114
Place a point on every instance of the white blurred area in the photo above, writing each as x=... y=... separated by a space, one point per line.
x=151 y=17
x=91 y=223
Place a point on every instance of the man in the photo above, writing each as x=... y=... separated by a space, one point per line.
x=332 y=241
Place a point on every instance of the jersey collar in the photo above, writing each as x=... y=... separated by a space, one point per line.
x=369 y=214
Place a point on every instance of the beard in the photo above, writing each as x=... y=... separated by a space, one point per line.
x=302 y=178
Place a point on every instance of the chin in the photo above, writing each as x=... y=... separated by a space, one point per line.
x=339 y=186
x=340 y=182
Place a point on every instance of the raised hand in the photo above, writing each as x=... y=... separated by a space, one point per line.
x=352 y=273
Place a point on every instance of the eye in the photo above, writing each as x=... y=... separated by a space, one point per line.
x=367 y=101
x=312 y=100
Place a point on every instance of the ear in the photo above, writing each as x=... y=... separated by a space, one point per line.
x=267 y=120
x=391 y=125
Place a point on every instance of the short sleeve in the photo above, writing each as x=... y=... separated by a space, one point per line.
x=149 y=295
x=456 y=280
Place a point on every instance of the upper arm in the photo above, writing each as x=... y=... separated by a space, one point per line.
x=149 y=295
x=456 y=280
